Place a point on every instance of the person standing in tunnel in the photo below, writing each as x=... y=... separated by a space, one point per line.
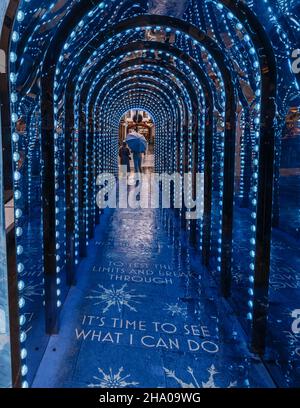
x=124 y=154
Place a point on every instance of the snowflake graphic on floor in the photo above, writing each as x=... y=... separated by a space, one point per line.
x=111 y=380
x=175 y=310
x=195 y=384
x=115 y=297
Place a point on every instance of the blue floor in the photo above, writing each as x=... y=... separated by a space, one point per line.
x=145 y=313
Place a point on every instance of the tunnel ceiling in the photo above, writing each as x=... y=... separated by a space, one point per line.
x=37 y=24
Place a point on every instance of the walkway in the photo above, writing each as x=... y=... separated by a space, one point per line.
x=141 y=316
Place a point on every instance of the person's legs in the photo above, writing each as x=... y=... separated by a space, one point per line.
x=136 y=164
x=123 y=167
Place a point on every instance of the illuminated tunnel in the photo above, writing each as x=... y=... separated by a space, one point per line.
x=168 y=298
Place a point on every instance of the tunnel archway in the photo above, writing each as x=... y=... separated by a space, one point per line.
x=62 y=107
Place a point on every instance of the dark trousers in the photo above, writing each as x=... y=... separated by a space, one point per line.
x=126 y=163
x=137 y=163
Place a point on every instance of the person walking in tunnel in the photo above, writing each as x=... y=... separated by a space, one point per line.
x=138 y=145
x=124 y=154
